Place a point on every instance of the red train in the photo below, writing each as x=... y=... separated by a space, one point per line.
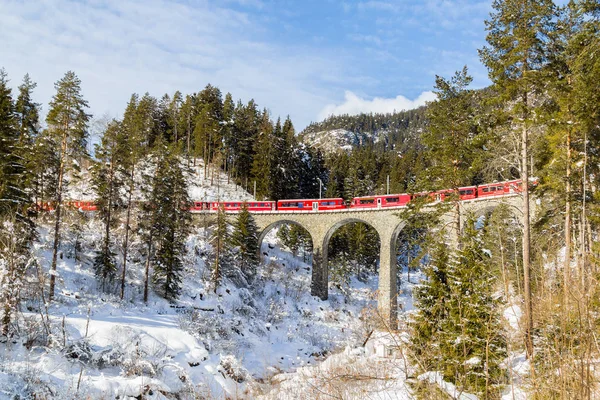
x=80 y=205
x=307 y=205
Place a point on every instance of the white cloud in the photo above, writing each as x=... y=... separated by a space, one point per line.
x=354 y=104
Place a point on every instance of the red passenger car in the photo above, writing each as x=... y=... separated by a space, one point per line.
x=233 y=206
x=499 y=189
x=389 y=200
x=467 y=192
x=311 y=204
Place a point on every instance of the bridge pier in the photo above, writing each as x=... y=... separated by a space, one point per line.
x=319 y=285
x=387 y=300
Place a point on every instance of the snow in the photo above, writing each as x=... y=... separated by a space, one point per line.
x=513 y=315
x=206 y=344
x=453 y=392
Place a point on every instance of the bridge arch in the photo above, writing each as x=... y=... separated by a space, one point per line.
x=487 y=209
x=331 y=231
x=264 y=232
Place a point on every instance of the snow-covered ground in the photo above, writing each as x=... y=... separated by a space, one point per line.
x=269 y=340
x=206 y=345
x=209 y=187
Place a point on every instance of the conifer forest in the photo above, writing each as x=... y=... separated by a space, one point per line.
x=111 y=288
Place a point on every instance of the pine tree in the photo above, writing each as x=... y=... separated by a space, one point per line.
x=227 y=128
x=67 y=122
x=451 y=137
x=108 y=182
x=174 y=119
x=145 y=117
x=169 y=222
x=245 y=238
x=16 y=229
x=27 y=112
x=516 y=58
x=10 y=167
x=431 y=298
x=28 y=124
x=472 y=340
x=220 y=240
x=263 y=155
x=207 y=131
x=244 y=132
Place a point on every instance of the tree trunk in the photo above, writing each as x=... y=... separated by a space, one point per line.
x=108 y=214
x=61 y=168
x=188 y=138
x=127 y=221
x=147 y=273
x=567 y=264
x=526 y=234
x=457 y=222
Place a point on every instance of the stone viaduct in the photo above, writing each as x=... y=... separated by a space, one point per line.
x=388 y=224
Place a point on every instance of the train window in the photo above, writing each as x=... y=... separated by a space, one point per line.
x=464 y=192
x=392 y=199
x=485 y=190
x=500 y=188
x=367 y=201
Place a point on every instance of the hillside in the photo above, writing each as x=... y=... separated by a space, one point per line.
x=90 y=344
x=388 y=131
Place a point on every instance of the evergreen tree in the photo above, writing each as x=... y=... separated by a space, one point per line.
x=67 y=123
x=186 y=123
x=245 y=238
x=174 y=119
x=263 y=158
x=207 y=132
x=16 y=230
x=221 y=251
x=228 y=110
x=431 y=298
x=146 y=112
x=10 y=167
x=36 y=158
x=516 y=57
x=27 y=111
x=451 y=137
x=108 y=181
x=169 y=222
x=132 y=132
x=472 y=340
x=244 y=132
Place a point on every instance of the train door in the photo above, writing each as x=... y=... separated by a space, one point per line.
x=315 y=206
x=379 y=202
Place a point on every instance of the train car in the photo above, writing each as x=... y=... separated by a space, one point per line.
x=199 y=206
x=87 y=206
x=44 y=206
x=311 y=204
x=467 y=192
x=442 y=195
x=81 y=205
x=389 y=200
x=233 y=206
x=499 y=189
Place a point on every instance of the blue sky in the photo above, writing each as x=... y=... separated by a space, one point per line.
x=305 y=58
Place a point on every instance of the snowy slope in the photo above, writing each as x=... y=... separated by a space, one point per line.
x=88 y=343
